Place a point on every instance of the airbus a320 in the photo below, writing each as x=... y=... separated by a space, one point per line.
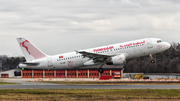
x=115 y=54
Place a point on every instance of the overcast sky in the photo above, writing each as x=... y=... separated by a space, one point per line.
x=59 y=26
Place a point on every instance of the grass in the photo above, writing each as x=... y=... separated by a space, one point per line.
x=7 y=83
x=89 y=94
x=112 y=82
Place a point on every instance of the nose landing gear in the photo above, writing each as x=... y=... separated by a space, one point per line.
x=152 y=59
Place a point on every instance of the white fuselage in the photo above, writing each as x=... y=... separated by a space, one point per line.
x=131 y=49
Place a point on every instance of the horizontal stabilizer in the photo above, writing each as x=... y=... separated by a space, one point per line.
x=31 y=63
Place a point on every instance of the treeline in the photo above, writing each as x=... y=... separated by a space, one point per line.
x=8 y=63
x=165 y=62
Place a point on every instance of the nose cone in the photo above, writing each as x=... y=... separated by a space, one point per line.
x=168 y=45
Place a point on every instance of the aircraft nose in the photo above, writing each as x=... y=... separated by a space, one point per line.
x=168 y=45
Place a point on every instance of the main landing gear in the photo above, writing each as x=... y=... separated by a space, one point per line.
x=152 y=59
x=100 y=70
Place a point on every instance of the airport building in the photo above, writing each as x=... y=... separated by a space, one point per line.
x=10 y=73
x=82 y=73
x=78 y=73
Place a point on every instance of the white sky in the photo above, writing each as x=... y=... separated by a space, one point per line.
x=59 y=26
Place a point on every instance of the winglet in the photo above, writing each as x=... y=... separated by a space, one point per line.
x=76 y=51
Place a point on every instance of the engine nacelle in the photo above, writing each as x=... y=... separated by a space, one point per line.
x=117 y=60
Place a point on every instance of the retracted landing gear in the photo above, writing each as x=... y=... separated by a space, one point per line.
x=101 y=70
x=152 y=59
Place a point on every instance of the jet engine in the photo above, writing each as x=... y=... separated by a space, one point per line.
x=117 y=60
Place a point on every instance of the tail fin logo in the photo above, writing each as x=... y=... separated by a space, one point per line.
x=32 y=50
x=23 y=45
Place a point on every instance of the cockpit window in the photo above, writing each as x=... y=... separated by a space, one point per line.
x=159 y=41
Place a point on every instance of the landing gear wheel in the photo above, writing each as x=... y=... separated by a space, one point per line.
x=152 y=61
x=100 y=70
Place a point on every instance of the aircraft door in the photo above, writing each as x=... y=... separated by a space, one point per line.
x=49 y=59
x=149 y=43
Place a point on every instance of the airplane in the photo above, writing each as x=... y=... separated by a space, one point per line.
x=115 y=54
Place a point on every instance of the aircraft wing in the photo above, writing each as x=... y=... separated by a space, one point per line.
x=96 y=57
